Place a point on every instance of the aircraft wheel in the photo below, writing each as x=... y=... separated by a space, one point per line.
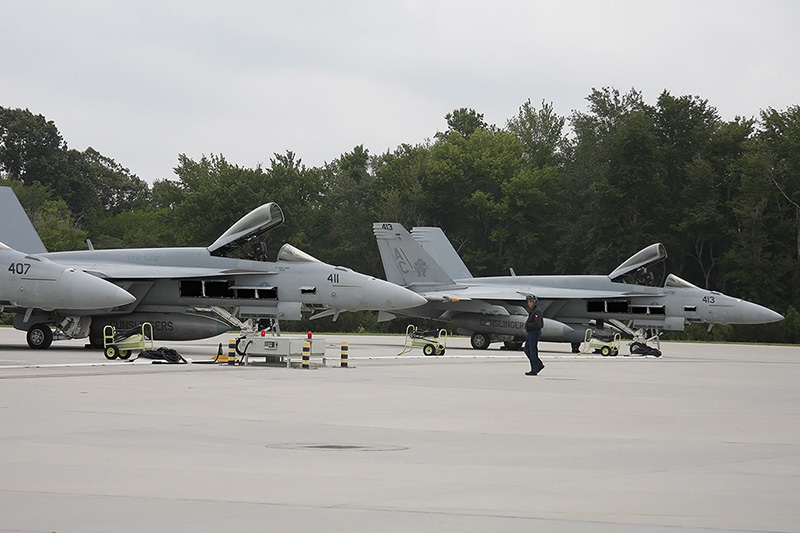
x=96 y=341
x=125 y=354
x=605 y=351
x=576 y=347
x=111 y=352
x=479 y=341
x=39 y=336
x=513 y=346
x=429 y=349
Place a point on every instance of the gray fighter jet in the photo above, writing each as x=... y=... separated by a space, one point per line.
x=185 y=293
x=492 y=309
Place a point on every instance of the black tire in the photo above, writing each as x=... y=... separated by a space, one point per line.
x=605 y=351
x=513 y=346
x=125 y=354
x=440 y=352
x=39 y=336
x=96 y=341
x=429 y=349
x=480 y=341
x=111 y=352
x=576 y=347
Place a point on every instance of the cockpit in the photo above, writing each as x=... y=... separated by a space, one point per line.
x=247 y=229
x=641 y=267
x=295 y=255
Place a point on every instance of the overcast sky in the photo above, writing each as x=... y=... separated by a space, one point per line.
x=142 y=81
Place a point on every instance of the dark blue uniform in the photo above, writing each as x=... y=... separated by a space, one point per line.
x=534 y=326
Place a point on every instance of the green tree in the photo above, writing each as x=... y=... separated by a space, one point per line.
x=31 y=147
x=540 y=132
x=55 y=226
x=215 y=195
x=463 y=182
x=465 y=122
x=781 y=133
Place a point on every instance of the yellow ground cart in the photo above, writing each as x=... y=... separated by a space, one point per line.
x=607 y=345
x=432 y=342
x=120 y=344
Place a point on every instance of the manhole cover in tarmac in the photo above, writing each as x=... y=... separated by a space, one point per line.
x=337 y=447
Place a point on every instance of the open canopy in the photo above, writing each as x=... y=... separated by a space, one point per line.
x=642 y=259
x=250 y=226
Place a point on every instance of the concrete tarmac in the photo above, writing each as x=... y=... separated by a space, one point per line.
x=705 y=438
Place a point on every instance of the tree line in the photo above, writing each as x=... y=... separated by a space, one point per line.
x=542 y=194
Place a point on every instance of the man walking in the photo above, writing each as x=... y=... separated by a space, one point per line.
x=533 y=326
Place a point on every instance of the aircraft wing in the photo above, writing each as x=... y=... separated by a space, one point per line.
x=519 y=293
x=128 y=271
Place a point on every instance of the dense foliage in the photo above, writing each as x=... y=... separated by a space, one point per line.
x=543 y=194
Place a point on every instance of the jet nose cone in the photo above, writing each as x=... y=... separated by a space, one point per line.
x=768 y=315
x=758 y=314
x=79 y=290
x=390 y=296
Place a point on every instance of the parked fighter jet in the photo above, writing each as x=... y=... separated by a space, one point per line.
x=182 y=292
x=493 y=309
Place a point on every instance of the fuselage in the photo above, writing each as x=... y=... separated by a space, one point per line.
x=192 y=276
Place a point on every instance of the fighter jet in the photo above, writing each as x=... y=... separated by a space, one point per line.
x=492 y=309
x=185 y=292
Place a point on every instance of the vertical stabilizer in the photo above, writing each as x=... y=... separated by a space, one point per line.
x=436 y=243
x=16 y=229
x=405 y=262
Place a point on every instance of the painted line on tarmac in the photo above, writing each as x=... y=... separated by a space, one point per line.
x=436 y=357
x=101 y=363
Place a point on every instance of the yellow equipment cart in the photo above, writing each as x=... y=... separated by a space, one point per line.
x=432 y=342
x=120 y=344
x=606 y=346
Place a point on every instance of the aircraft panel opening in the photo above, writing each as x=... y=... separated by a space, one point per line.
x=246 y=294
x=218 y=289
x=267 y=293
x=617 y=306
x=596 y=307
x=609 y=306
x=308 y=290
x=657 y=310
x=191 y=288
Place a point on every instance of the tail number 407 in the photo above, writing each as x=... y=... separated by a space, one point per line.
x=19 y=268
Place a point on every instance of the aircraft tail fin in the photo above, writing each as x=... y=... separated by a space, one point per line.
x=16 y=229
x=436 y=243
x=405 y=261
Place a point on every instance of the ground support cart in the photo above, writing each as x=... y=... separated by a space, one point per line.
x=120 y=344
x=278 y=349
x=605 y=345
x=432 y=342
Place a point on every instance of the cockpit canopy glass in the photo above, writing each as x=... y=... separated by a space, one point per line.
x=295 y=255
x=675 y=281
